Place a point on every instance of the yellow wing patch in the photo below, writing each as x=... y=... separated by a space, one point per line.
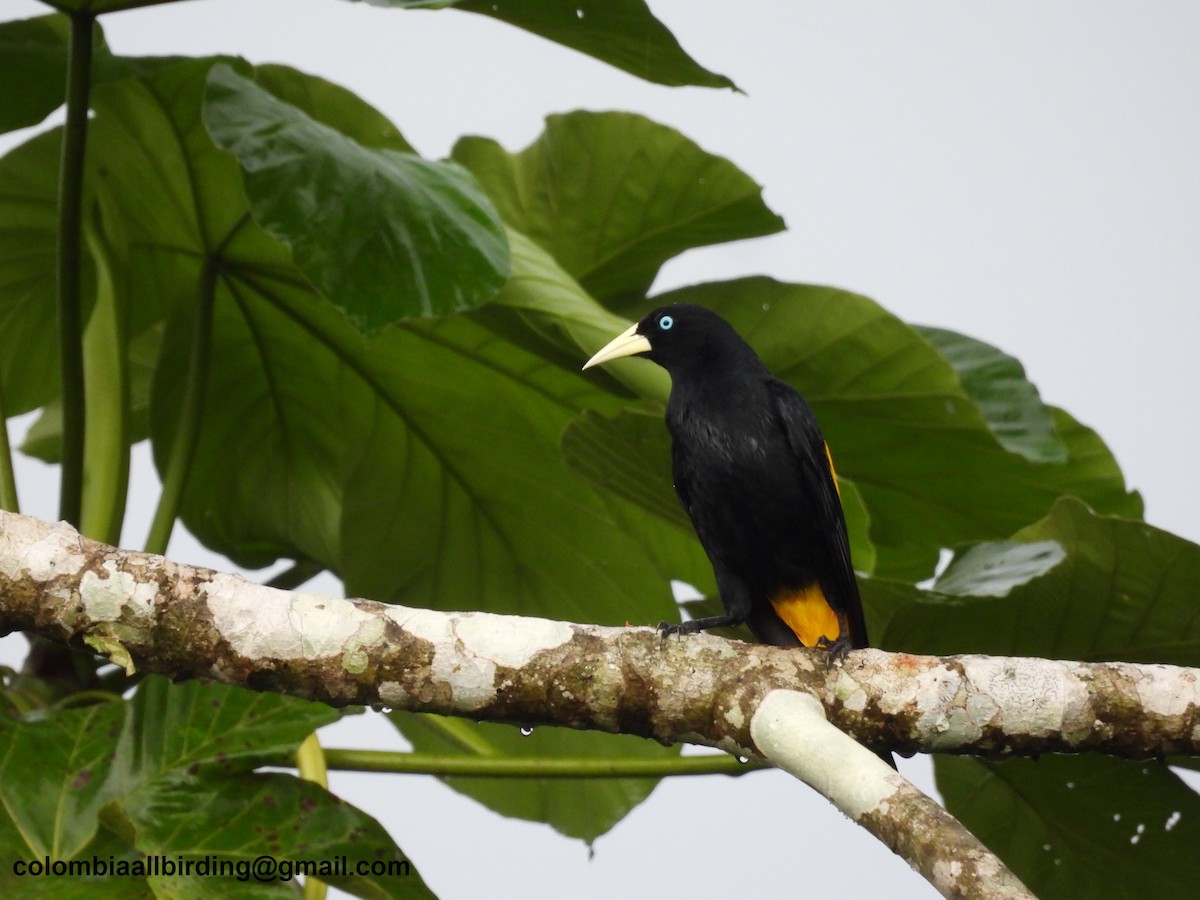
x=832 y=471
x=808 y=614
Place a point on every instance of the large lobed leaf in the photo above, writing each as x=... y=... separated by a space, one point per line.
x=583 y=808
x=1007 y=399
x=33 y=67
x=451 y=443
x=612 y=196
x=622 y=33
x=28 y=224
x=123 y=779
x=406 y=463
x=98 y=7
x=1081 y=827
x=54 y=779
x=383 y=234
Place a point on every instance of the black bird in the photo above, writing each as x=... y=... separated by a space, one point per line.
x=756 y=477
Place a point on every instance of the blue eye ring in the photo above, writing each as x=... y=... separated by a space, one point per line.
x=665 y=323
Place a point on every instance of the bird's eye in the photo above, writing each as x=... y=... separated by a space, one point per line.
x=665 y=323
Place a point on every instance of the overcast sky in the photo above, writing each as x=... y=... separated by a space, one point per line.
x=1022 y=172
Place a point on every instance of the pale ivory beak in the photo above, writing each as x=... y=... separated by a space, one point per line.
x=627 y=343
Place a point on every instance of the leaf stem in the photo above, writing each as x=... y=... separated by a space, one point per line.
x=298 y=573
x=8 y=481
x=311 y=765
x=460 y=732
x=356 y=760
x=310 y=762
x=192 y=412
x=70 y=262
x=106 y=443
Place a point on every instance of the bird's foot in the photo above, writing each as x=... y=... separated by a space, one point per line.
x=837 y=649
x=679 y=628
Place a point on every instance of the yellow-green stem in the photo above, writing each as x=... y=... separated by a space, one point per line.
x=106 y=389
x=310 y=761
x=355 y=760
x=8 y=482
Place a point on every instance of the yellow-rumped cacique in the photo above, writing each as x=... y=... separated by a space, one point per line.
x=756 y=477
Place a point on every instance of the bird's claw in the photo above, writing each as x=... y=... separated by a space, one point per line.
x=677 y=628
x=838 y=649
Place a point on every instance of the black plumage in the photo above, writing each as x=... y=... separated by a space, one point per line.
x=755 y=475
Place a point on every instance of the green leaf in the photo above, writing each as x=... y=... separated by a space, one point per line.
x=332 y=105
x=97 y=7
x=628 y=455
x=175 y=199
x=33 y=67
x=247 y=817
x=168 y=773
x=1008 y=400
x=1082 y=826
x=176 y=728
x=609 y=561
x=111 y=850
x=319 y=440
x=416 y=487
x=28 y=335
x=384 y=235
x=858 y=526
x=545 y=310
x=263 y=481
x=614 y=195
x=582 y=808
x=169 y=198
x=622 y=33
x=995 y=569
x=452 y=439
x=901 y=426
x=53 y=780
x=1123 y=591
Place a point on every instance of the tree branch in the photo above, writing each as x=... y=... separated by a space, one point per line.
x=147 y=612
x=790 y=729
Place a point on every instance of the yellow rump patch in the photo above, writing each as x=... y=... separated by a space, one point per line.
x=808 y=614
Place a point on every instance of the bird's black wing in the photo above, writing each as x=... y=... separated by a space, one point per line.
x=812 y=456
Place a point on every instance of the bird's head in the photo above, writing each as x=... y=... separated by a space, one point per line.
x=679 y=337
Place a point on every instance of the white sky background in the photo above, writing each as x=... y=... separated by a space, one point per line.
x=1023 y=172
